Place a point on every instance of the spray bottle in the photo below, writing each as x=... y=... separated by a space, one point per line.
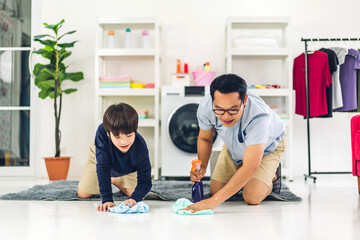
x=197 y=188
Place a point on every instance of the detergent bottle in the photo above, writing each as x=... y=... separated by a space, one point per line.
x=197 y=188
x=207 y=67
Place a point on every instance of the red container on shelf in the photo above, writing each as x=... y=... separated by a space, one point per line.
x=150 y=85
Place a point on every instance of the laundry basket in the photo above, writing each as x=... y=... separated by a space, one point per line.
x=203 y=78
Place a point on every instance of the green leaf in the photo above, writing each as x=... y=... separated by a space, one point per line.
x=44 y=93
x=47 y=84
x=68 y=33
x=67 y=45
x=51 y=94
x=44 y=53
x=37 y=68
x=46 y=42
x=42 y=76
x=70 y=90
x=55 y=27
x=62 y=67
x=64 y=55
x=41 y=36
x=49 y=71
x=77 y=76
x=49 y=48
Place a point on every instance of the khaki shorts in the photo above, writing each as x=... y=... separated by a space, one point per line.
x=89 y=182
x=225 y=167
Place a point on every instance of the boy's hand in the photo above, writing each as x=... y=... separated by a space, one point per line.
x=105 y=207
x=131 y=202
x=195 y=176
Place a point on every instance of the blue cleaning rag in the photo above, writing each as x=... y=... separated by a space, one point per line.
x=182 y=203
x=140 y=207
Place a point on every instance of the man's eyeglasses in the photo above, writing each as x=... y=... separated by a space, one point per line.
x=229 y=111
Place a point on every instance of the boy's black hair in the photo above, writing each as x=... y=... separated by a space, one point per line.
x=228 y=83
x=120 y=118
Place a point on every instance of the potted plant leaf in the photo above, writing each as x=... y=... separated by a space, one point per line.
x=49 y=78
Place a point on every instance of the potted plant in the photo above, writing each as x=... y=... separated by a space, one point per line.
x=49 y=78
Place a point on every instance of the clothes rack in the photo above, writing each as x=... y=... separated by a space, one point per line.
x=306 y=40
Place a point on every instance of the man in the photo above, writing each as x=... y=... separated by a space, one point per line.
x=254 y=138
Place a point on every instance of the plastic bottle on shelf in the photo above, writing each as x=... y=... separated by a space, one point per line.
x=111 y=39
x=186 y=66
x=178 y=67
x=145 y=39
x=128 y=38
x=207 y=67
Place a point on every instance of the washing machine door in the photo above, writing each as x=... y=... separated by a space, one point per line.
x=184 y=128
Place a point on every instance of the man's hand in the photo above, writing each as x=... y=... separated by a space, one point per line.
x=131 y=202
x=195 y=176
x=202 y=205
x=105 y=207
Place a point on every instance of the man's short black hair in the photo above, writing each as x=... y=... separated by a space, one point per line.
x=120 y=118
x=228 y=83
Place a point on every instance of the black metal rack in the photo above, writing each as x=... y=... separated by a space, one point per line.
x=309 y=175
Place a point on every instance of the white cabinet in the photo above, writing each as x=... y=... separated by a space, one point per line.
x=140 y=64
x=258 y=49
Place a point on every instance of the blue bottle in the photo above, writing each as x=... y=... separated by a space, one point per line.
x=197 y=188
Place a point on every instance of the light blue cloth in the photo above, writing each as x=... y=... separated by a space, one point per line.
x=140 y=207
x=182 y=203
x=258 y=125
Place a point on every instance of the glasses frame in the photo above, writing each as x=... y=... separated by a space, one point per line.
x=237 y=111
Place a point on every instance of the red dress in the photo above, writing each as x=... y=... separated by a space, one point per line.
x=319 y=79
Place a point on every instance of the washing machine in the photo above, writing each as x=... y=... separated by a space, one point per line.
x=180 y=129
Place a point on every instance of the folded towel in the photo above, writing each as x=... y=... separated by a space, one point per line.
x=140 y=207
x=114 y=78
x=182 y=203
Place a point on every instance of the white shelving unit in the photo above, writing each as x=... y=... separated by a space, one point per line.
x=258 y=49
x=142 y=65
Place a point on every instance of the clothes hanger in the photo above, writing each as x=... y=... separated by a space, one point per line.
x=347 y=46
x=312 y=43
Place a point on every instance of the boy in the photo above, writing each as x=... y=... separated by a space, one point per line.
x=254 y=138
x=121 y=157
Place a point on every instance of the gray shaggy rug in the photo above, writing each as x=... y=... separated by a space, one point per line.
x=161 y=190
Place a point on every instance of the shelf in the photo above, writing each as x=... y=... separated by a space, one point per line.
x=126 y=52
x=146 y=122
x=271 y=57
x=111 y=21
x=260 y=20
x=271 y=92
x=283 y=52
x=126 y=61
x=128 y=92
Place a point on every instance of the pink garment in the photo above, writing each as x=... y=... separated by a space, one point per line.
x=355 y=145
x=319 y=79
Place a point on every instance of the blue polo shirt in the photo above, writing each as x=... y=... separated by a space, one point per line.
x=258 y=125
x=111 y=162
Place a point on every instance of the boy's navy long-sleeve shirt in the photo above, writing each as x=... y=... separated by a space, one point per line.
x=111 y=162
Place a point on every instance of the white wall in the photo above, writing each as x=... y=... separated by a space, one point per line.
x=194 y=30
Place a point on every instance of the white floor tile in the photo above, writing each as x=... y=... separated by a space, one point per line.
x=329 y=210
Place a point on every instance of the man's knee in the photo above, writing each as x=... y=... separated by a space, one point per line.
x=252 y=198
x=82 y=194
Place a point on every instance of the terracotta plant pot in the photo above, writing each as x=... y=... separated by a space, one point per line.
x=57 y=167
